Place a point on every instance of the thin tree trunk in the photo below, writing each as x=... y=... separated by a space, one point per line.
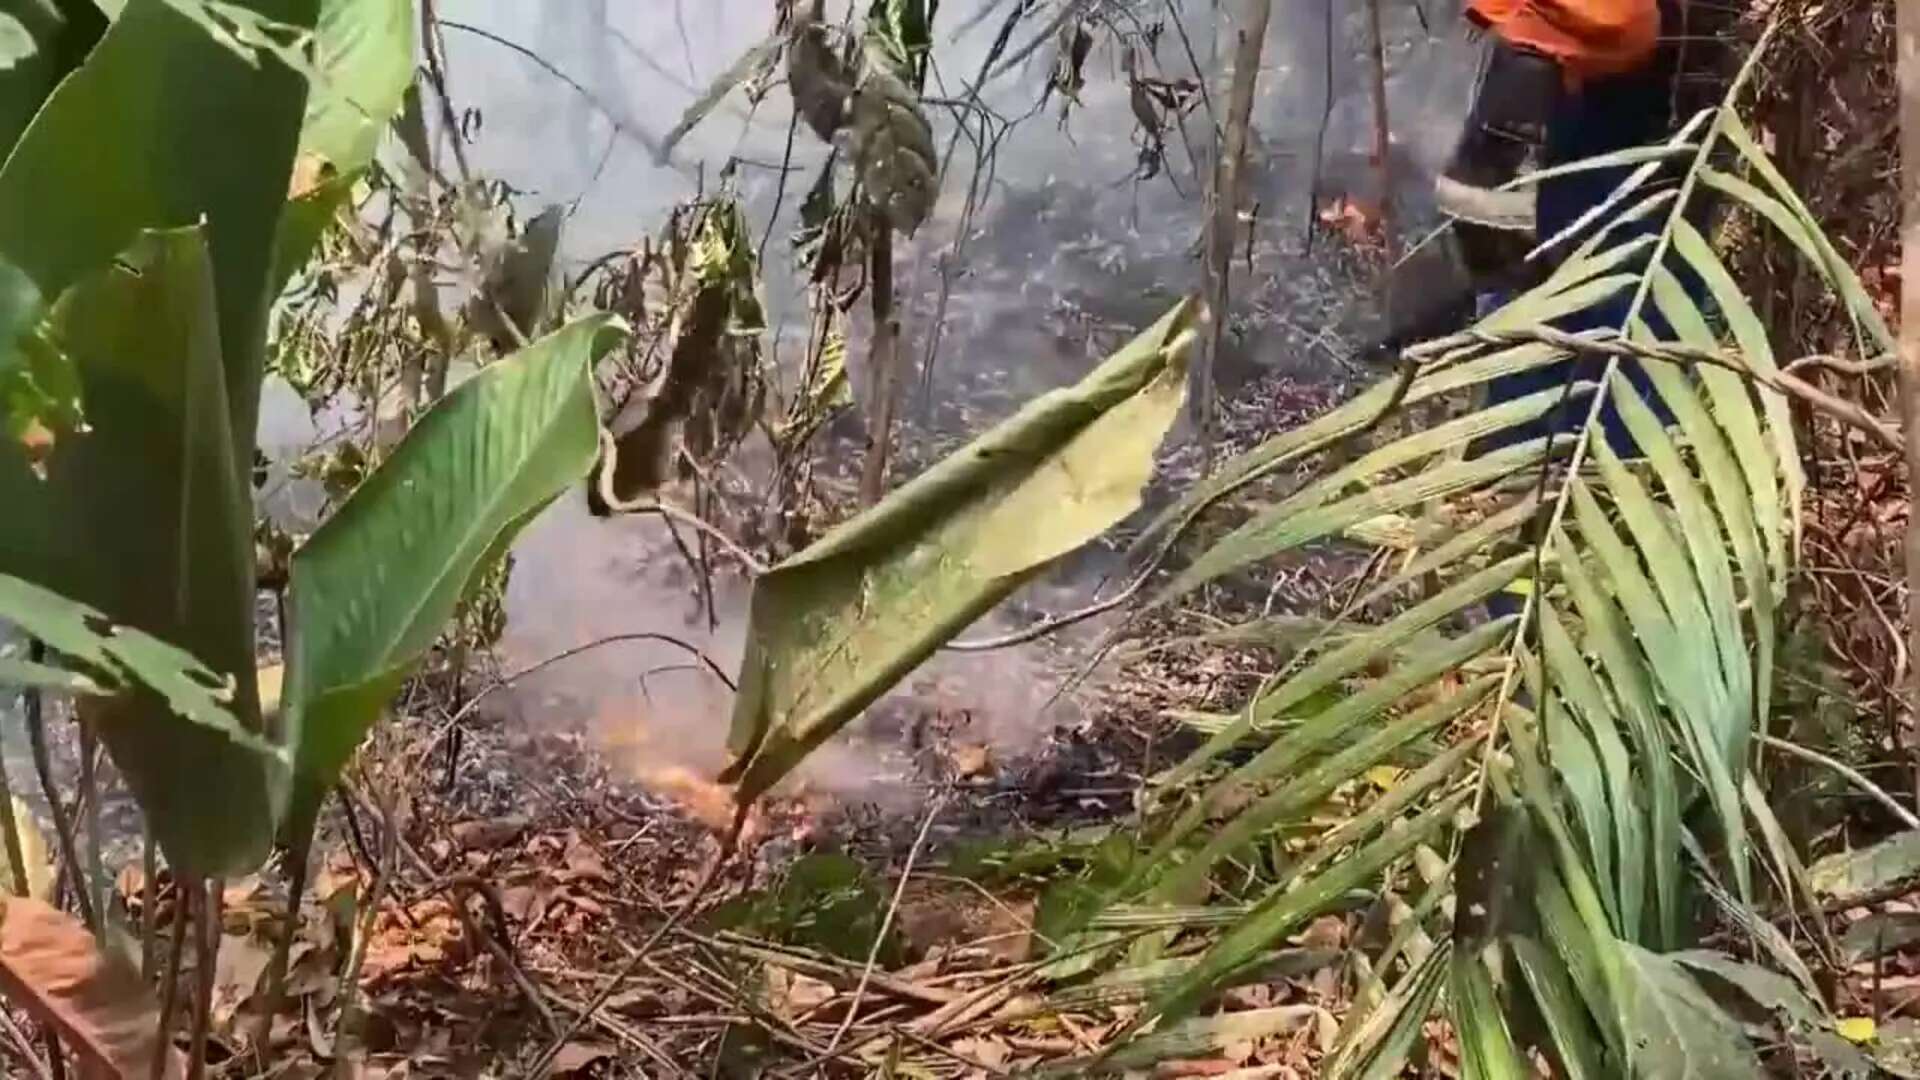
x=883 y=369
x=1223 y=219
x=1909 y=71
x=1382 y=142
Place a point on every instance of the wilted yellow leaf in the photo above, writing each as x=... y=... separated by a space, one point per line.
x=1859 y=1029
x=1385 y=777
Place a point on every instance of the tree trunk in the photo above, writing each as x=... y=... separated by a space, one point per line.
x=1382 y=140
x=1223 y=219
x=883 y=369
x=1909 y=342
x=1909 y=50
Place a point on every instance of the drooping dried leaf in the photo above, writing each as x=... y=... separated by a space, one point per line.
x=817 y=76
x=835 y=626
x=50 y=966
x=893 y=149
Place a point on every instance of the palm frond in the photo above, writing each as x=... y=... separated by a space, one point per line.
x=1587 y=737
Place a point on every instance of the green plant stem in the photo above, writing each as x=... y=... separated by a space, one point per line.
x=10 y=827
x=149 y=901
x=206 y=943
x=299 y=854
x=90 y=810
x=62 y=824
x=347 y=1049
x=883 y=368
x=170 y=984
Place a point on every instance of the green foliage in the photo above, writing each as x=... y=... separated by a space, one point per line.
x=826 y=901
x=167 y=524
x=372 y=589
x=218 y=146
x=91 y=655
x=836 y=625
x=40 y=42
x=1605 y=726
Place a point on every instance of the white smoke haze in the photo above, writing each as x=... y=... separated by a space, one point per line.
x=1067 y=256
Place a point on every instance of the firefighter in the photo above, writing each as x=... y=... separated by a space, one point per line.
x=1561 y=81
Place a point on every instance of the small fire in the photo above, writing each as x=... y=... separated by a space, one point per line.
x=623 y=729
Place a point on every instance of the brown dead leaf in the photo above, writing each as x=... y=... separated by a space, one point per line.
x=576 y=1056
x=584 y=863
x=236 y=974
x=50 y=967
x=970 y=759
x=489 y=835
x=793 y=995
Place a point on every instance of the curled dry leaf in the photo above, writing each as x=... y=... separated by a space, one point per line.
x=50 y=966
x=817 y=76
x=893 y=147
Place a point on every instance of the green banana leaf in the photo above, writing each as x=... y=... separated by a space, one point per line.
x=372 y=589
x=163 y=126
x=363 y=56
x=40 y=41
x=833 y=627
x=144 y=518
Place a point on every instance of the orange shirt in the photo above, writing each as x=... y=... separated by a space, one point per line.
x=1587 y=37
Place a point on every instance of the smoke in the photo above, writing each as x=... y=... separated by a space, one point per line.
x=1068 y=252
x=655 y=706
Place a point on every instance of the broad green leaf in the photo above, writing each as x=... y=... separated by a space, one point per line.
x=199 y=133
x=168 y=533
x=1767 y=988
x=27 y=675
x=115 y=659
x=1878 y=934
x=835 y=626
x=364 y=55
x=41 y=41
x=1848 y=875
x=1674 y=1030
x=372 y=589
